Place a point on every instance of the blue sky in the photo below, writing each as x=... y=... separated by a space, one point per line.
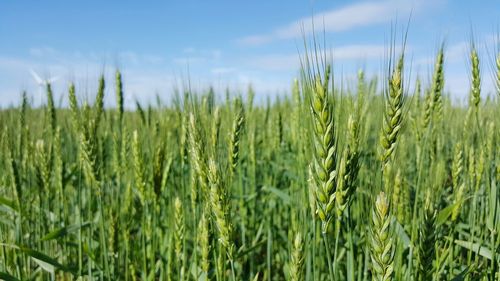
x=163 y=44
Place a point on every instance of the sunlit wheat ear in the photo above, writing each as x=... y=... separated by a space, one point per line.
x=341 y=188
x=234 y=144
x=113 y=233
x=220 y=206
x=297 y=259
x=349 y=167
x=468 y=122
x=179 y=226
x=87 y=148
x=119 y=94
x=179 y=237
x=397 y=199
x=133 y=272
x=418 y=93
x=99 y=104
x=426 y=251
x=73 y=105
x=438 y=83
x=139 y=170
x=42 y=156
x=250 y=98
x=428 y=106
x=475 y=91
x=204 y=243
x=197 y=155
x=480 y=164
x=325 y=151
x=393 y=114
x=382 y=244
x=361 y=84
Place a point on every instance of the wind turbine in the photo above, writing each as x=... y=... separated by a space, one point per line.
x=42 y=83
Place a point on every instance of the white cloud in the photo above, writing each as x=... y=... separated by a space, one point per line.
x=336 y=20
x=255 y=39
x=42 y=51
x=352 y=53
x=222 y=70
x=194 y=56
x=135 y=58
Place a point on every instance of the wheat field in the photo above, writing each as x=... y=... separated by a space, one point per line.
x=387 y=179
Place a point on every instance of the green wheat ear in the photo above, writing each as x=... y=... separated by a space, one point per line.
x=204 y=243
x=428 y=106
x=324 y=172
x=348 y=170
x=426 y=251
x=139 y=169
x=393 y=115
x=51 y=110
x=475 y=91
x=197 y=155
x=73 y=105
x=234 y=144
x=220 y=206
x=438 y=82
x=99 y=104
x=179 y=226
x=119 y=94
x=382 y=244
x=297 y=259
x=179 y=235
x=42 y=157
x=397 y=198
x=498 y=74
